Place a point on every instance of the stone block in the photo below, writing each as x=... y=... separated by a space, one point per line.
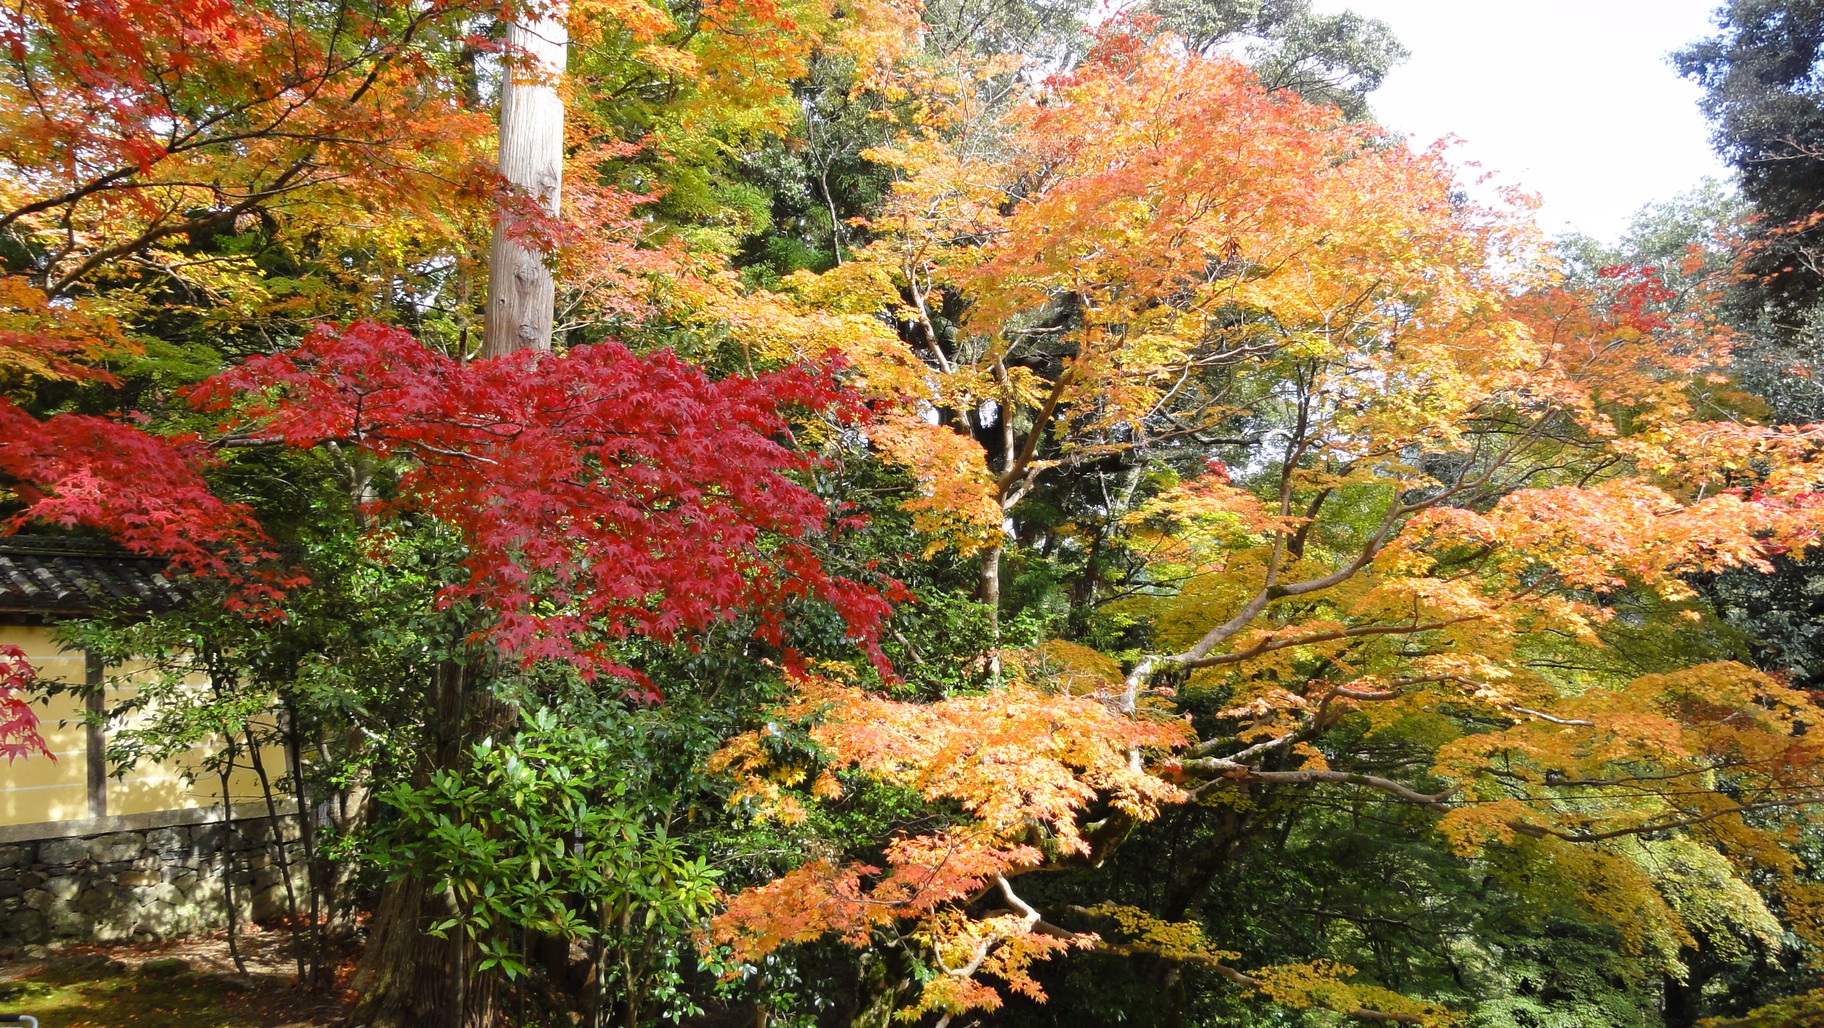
x=207 y=838
x=64 y=889
x=269 y=903
x=97 y=900
x=139 y=879
x=28 y=927
x=168 y=840
x=62 y=851
x=105 y=849
x=68 y=923
x=14 y=856
x=165 y=921
x=38 y=899
x=110 y=928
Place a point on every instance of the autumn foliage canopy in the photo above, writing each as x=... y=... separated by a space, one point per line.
x=1273 y=477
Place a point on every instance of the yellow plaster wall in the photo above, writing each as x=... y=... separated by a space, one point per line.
x=36 y=790
x=163 y=786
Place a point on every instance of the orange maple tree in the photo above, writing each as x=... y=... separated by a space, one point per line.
x=1447 y=465
x=133 y=126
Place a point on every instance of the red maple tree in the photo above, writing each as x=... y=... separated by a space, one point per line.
x=598 y=493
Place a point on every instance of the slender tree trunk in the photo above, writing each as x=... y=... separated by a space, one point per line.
x=521 y=291
x=228 y=855
x=276 y=828
x=350 y=810
x=990 y=594
x=990 y=589
x=313 y=870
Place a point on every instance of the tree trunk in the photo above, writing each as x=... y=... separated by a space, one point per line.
x=879 y=988
x=1683 y=1001
x=521 y=291
x=990 y=590
x=409 y=978
x=991 y=595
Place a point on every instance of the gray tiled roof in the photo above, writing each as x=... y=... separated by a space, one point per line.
x=58 y=575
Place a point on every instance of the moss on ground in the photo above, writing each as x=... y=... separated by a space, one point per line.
x=104 y=994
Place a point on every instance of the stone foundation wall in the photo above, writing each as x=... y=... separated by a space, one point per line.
x=143 y=885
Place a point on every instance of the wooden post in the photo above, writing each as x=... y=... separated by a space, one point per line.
x=96 y=703
x=521 y=293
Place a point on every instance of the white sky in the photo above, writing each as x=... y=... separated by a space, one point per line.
x=1570 y=99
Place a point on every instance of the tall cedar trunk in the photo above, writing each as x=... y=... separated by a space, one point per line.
x=521 y=291
x=409 y=978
